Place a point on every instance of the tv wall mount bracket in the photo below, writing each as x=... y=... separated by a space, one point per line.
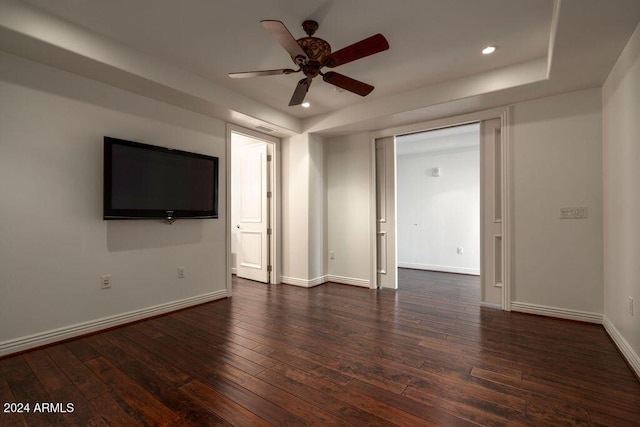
x=169 y=219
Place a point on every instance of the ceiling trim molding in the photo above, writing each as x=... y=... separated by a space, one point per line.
x=35 y=35
x=555 y=19
x=409 y=103
x=446 y=122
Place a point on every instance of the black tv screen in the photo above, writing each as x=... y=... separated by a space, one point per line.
x=146 y=181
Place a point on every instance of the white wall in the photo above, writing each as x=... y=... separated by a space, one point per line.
x=621 y=133
x=295 y=210
x=436 y=215
x=348 y=204
x=303 y=210
x=557 y=162
x=54 y=245
x=317 y=209
x=557 y=146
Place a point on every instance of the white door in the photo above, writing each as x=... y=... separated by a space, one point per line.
x=387 y=269
x=491 y=254
x=253 y=214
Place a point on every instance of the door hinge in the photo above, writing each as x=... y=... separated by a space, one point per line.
x=269 y=268
x=269 y=232
x=268 y=194
x=269 y=157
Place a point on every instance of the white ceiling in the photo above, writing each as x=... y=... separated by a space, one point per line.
x=430 y=41
x=544 y=47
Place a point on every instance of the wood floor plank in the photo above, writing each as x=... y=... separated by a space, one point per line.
x=108 y=351
x=81 y=376
x=205 y=347
x=81 y=349
x=47 y=372
x=61 y=390
x=26 y=389
x=311 y=414
x=302 y=385
x=170 y=396
x=519 y=387
x=115 y=412
x=472 y=395
x=209 y=374
x=258 y=405
x=379 y=407
x=134 y=395
x=601 y=402
x=222 y=406
x=161 y=368
x=468 y=412
x=304 y=363
x=425 y=354
x=9 y=418
x=432 y=414
x=80 y=412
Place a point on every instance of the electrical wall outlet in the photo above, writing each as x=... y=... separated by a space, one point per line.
x=460 y=250
x=105 y=281
x=573 y=212
x=332 y=255
x=180 y=272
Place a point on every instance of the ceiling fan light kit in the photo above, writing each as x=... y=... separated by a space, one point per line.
x=312 y=54
x=488 y=50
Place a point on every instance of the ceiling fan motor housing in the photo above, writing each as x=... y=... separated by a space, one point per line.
x=317 y=51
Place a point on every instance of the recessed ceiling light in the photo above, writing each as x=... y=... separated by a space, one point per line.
x=306 y=105
x=488 y=50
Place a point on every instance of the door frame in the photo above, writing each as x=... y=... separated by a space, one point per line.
x=275 y=209
x=502 y=113
x=387 y=217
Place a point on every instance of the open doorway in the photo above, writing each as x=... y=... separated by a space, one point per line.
x=495 y=228
x=253 y=200
x=438 y=200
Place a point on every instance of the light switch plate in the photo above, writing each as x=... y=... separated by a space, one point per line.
x=573 y=212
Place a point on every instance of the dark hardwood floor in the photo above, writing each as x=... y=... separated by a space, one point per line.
x=426 y=354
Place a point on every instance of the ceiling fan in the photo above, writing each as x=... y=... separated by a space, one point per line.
x=311 y=54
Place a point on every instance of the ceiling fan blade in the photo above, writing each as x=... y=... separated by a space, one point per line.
x=247 y=74
x=281 y=34
x=300 y=92
x=361 y=49
x=347 y=83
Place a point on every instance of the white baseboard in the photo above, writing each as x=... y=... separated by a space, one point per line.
x=348 y=281
x=563 y=313
x=443 y=268
x=491 y=305
x=627 y=351
x=60 y=334
x=234 y=270
x=305 y=283
x=324 y=279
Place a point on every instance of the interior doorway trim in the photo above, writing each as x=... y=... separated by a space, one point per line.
x=275 y=206
x=504 y=114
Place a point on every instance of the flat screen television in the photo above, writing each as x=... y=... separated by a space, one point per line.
x=144 y=181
